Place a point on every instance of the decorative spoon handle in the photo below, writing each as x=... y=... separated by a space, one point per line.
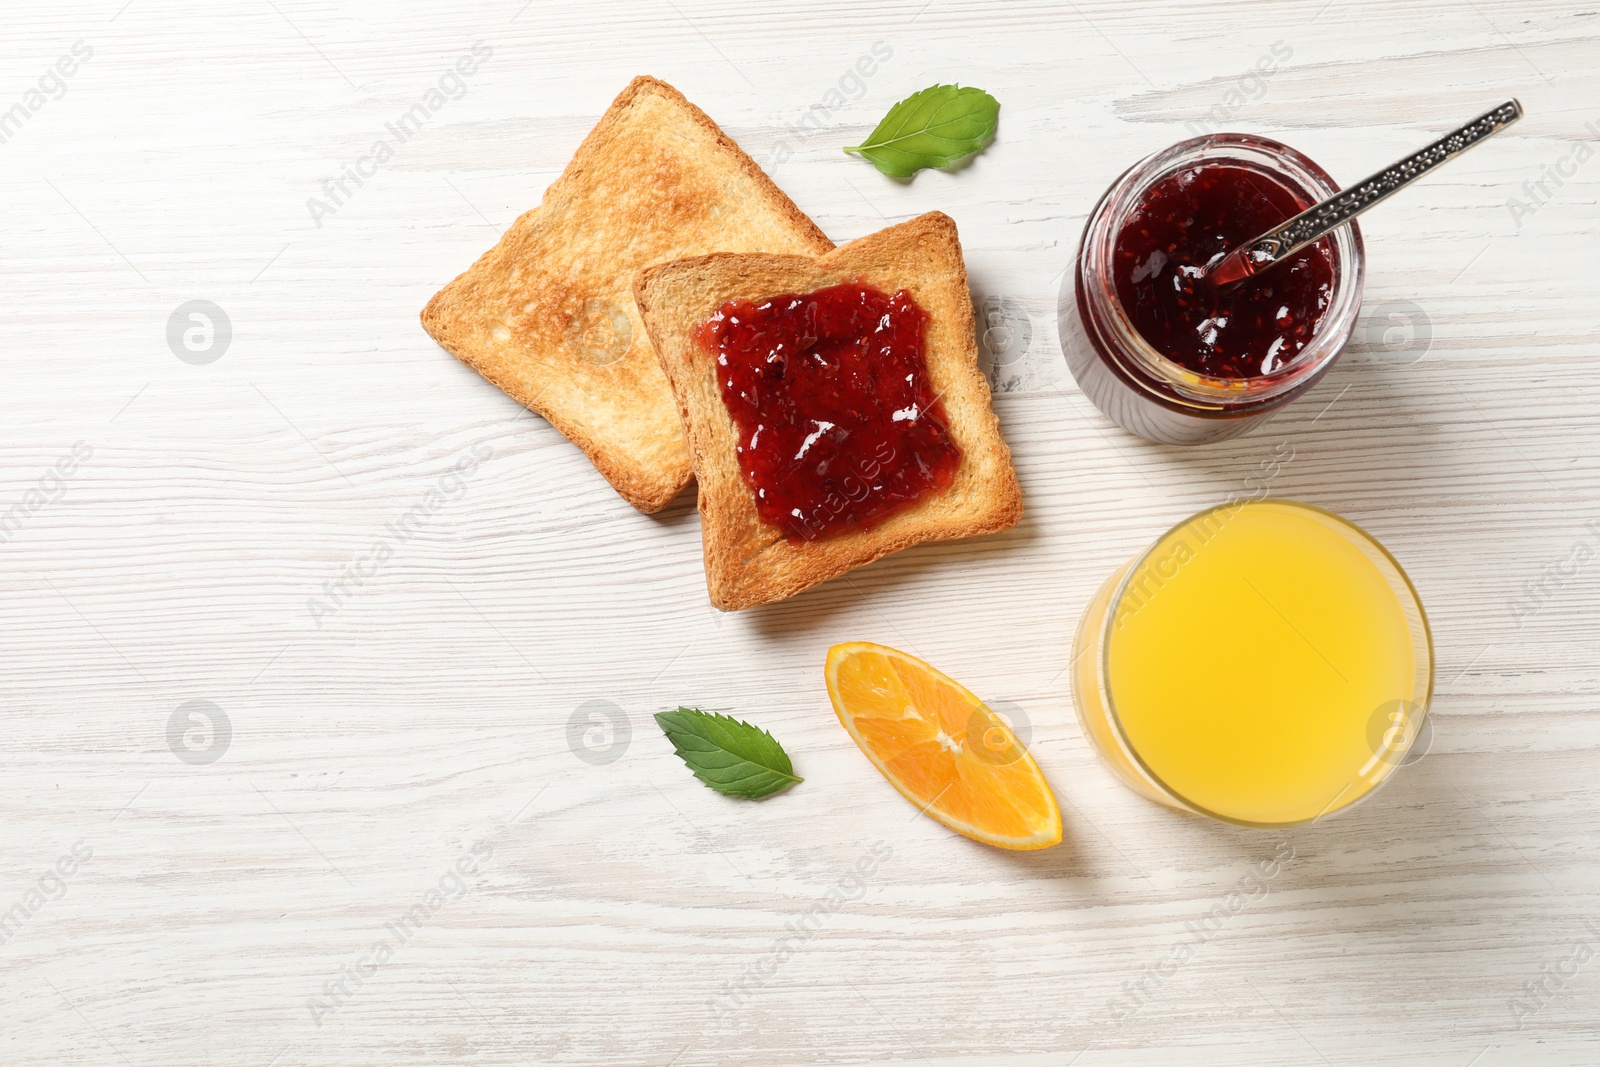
x=1314 y=221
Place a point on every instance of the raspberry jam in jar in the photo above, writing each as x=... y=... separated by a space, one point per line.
x=1165 y=352
x=838 y=426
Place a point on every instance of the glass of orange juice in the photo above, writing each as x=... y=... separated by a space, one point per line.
x=1265 y=662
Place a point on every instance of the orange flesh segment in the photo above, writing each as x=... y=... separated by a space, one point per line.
x=941 y=747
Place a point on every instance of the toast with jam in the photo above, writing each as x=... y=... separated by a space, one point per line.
x=833 y=403
x=548 y=315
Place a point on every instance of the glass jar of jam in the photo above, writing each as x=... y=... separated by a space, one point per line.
x=1162 y=350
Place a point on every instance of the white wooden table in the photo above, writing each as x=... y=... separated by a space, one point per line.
x=172 y=520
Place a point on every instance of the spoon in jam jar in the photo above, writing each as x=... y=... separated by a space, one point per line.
x=1253 y=257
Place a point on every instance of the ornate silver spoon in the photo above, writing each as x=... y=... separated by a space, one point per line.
x=1255 y=256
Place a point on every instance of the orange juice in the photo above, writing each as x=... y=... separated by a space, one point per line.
x=1264 y=663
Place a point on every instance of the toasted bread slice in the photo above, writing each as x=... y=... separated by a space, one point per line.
x=749 y=562
x=548 y=314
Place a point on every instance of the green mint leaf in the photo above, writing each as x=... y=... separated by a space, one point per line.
x=730 y=756
x=934 y=128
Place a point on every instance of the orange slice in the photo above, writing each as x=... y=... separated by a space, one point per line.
x=942 y=747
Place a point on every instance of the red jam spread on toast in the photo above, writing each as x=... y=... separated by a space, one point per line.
x=837 y=424
x=1185 y=221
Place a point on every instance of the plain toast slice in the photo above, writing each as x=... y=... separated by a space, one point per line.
x=749 y=562
x=547 y=314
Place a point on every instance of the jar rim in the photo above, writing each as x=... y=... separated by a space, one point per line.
x=1304 y=177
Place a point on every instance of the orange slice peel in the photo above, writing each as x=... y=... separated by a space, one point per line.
x=942 y=747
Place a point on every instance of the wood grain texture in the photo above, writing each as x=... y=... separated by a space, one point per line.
x=610 y=905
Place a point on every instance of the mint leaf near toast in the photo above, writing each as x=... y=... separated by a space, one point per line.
x=937 y=127
x=732 y=757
